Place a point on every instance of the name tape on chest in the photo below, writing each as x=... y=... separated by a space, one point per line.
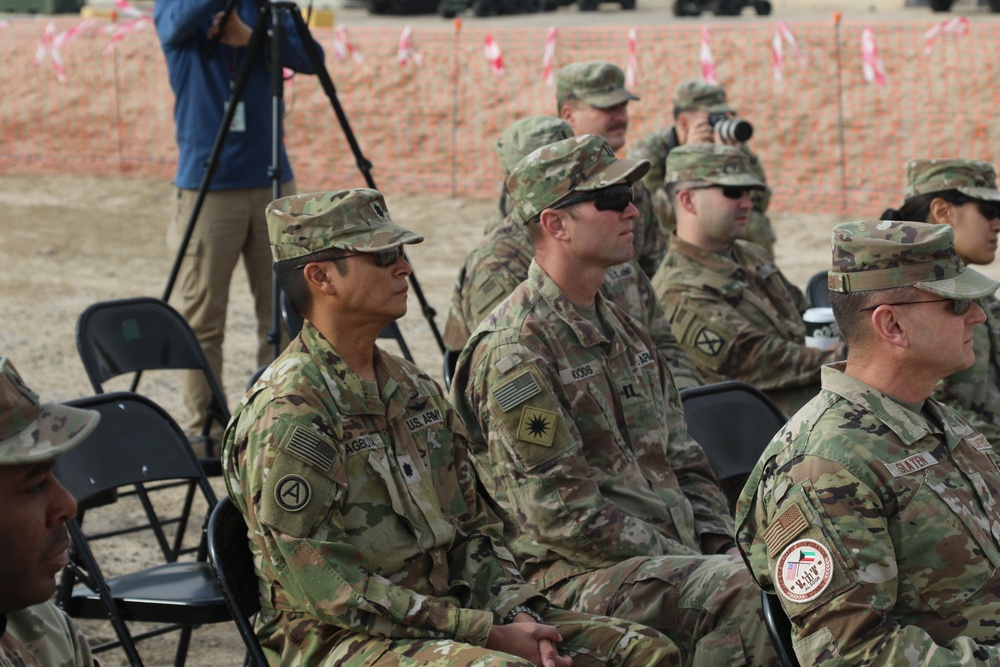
x=804 y=570
x=910 y=464
x=620 y=272
x=571 y=375
x=362 y=443
x=424 y=419
x=517 y=391
x=643 y=358
x=980 y=443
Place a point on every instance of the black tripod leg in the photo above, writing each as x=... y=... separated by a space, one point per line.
x=363 y=164
x=278 y=12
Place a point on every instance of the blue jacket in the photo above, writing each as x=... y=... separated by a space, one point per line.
x=202 y=88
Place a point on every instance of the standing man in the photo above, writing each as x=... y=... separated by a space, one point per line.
x=696 y=104
x=371 y=542
x=578 y=435
x=34 y=509
x=873 y=514
x=231 y=223
x=730 y=307
x=592 y=98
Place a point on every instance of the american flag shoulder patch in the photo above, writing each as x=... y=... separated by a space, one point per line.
x=310 y=447
x=517 y=391
x=487 y=295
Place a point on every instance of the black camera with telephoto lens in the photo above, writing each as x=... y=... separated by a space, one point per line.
x=730 y=129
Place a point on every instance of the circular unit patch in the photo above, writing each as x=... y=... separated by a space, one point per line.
x=292 y=493
x=804 y=570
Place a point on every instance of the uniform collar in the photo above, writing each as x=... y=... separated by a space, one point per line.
x=728 y=264
x=562 y=308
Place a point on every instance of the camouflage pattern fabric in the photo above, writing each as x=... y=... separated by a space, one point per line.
x=698 y=94
x=577 y=433
x=370 y=541
x=877 y=528
x=975 y=178
x=658 y=145
x=740 y=319
x=43 y=636
x=600 y=84
x=499 y=263
x=975 y=392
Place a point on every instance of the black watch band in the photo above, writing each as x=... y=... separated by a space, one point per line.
x=522 y=609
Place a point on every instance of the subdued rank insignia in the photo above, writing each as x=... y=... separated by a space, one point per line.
x=378 y=210
x=708 y=342
x=537 y=426
x=517 y=391
x=309 y=447
x=409 y=470
x=292 y=493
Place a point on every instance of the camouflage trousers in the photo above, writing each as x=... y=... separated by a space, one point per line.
x=591 y=641
x=708 y=605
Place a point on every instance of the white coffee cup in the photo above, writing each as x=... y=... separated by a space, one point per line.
x=822 y=331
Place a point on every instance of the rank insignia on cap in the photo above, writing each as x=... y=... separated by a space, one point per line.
x=292 y=493
x=379 y=211
x=537 y=426
x=708 y=342
x=804 y=570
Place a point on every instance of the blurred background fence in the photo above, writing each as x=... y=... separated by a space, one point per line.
x=830 y=140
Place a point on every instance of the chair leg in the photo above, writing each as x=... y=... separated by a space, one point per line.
x=182 y=646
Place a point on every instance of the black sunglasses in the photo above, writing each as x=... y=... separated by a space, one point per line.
x=615 y=198
x=988 y=209
x=728 y=191
x=958 y=306
x=383 y=258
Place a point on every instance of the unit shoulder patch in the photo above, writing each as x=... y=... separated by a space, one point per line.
x=537 y=426
x=707 y=341
x=803 y=571
x=292 y=493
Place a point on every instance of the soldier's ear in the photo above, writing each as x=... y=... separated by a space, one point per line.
x=320 y=277
x=553 y=223
x=887 y=326
x=941 y=212
x=685 y=199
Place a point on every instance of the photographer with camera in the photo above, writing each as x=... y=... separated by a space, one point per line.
x=703 y=115
x=231 y=223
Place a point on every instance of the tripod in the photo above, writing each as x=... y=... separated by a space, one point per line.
x=272 y=18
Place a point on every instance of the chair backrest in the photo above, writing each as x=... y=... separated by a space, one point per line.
x=231 y=559
x=115 y=338
x=818 y=291
x=449 y=365
x=733 y=422
x=779 y=628
x=293 y=322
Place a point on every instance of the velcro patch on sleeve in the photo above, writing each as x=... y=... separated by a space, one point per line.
x=537 y=426
x=707 y=341
x=783 y=530
x=803 y=571
x=309 y=447
x=516 y=391
x=486 y=296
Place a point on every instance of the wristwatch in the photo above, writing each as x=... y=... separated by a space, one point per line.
x=522 y=609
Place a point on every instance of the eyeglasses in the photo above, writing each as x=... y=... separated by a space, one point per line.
x=615 y=198
x=728 y=191
x=383 y=258
x=958 y=306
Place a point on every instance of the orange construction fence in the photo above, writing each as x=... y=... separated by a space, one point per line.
x=830 y=140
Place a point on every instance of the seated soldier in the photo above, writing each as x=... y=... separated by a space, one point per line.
x=371 y=542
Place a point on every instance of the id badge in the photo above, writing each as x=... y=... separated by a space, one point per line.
x=239 y=122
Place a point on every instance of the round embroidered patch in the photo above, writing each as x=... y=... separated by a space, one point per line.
x=292 y=493
x=804 y=570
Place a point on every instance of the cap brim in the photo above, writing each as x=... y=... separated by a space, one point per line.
x=623 y=170
x=720 y=108
x=612 y=99
x=739 y=180
x=57 y=429
x=399 y=237
x=969 y=284
x=986 y=194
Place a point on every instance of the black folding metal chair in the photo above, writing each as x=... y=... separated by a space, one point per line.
x=818 y=291
x=136 y=443
x=449 y=365
x=733 y=422
x=779 y=628
x=231 y=559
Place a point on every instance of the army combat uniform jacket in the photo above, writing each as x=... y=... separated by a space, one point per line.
x=362 y=507
x=740 y=319
x=879 y=529
x=499 y=263
x=975 y=392
x=578 y=434
x=42 y=636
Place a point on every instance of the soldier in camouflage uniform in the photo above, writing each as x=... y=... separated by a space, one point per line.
x=371 y=544
x=500 y=261
x=577 y=431
x=694 y=101
x=728 y=304
x=963 y=194
x=591 y=97
x=34 y=508
x=873 y=514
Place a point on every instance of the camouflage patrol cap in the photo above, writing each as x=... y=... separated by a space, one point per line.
x=527 y=134
x=974 y=178
x=718 y=164
x=355 y=220
x=698 y=95
x=598 y=83
x=551 y=173
x=883 y=254
x=31 y=432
